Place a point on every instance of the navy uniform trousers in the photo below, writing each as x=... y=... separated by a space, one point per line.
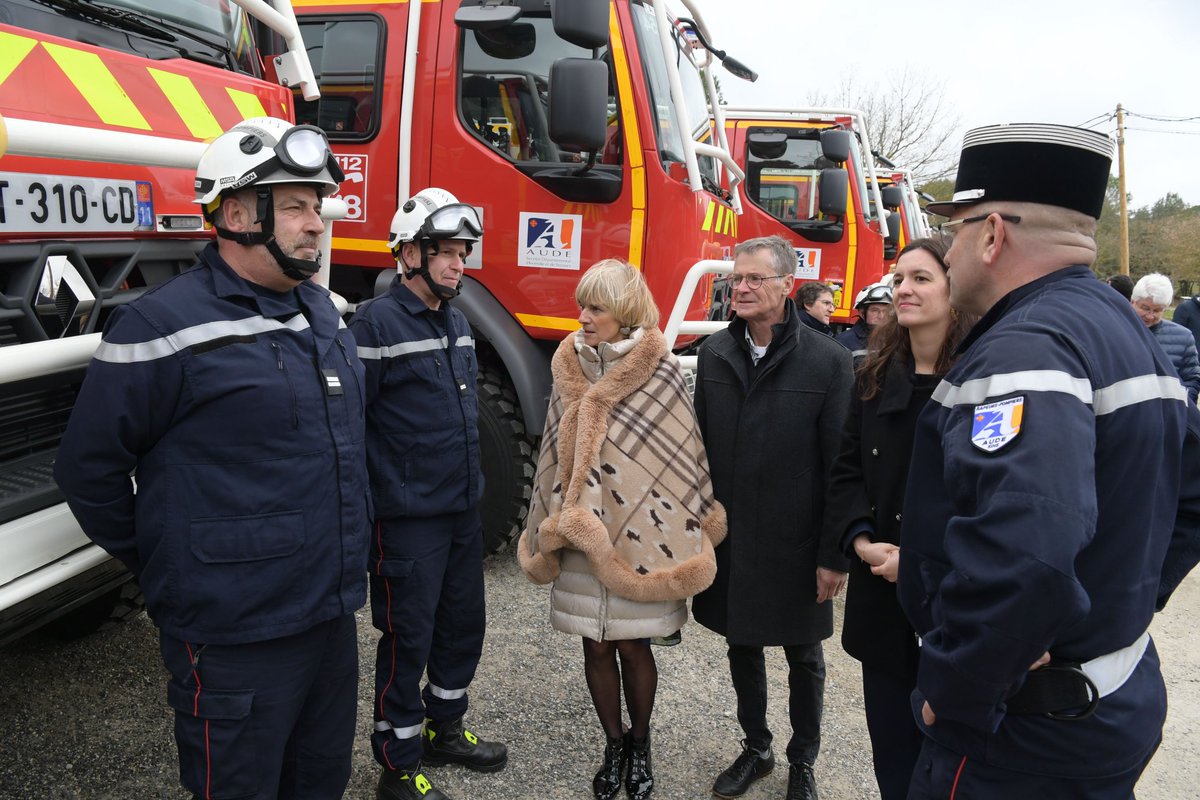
x=266 y=720
x=427 y=601
x=942 y=774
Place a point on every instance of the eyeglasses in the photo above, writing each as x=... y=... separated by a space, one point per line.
x=752 y=281
x=950 y=228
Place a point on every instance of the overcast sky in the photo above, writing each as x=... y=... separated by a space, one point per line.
x=1017 y=61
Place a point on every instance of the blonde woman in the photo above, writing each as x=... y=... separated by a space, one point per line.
x=623 y=519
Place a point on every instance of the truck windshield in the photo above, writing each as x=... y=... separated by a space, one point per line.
x=785 y=180
x=504 y=96
x=209 y=31
x=670 y=127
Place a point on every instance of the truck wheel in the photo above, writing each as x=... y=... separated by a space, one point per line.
x=117 y=605
x=507 y=459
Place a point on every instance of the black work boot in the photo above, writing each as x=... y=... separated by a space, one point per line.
x=639 y=780
x=801 y=783
x=406 y=784
x=450 y=743
x=745 y=770
x=607 y=782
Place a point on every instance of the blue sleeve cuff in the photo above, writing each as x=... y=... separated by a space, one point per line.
x=862 y=526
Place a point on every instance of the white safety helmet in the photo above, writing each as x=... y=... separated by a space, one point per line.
x=875 y=294
x=433 y=214
x=265 y=150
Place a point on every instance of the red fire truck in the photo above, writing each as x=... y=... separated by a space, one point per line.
x=580 y=134
x=811 y=179
x=104 y=111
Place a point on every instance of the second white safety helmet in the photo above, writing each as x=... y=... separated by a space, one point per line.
x=433 y=214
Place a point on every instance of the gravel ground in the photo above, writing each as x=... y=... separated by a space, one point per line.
x=87 y=719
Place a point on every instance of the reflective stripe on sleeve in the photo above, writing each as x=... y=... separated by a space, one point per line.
x=408 y=348
x=190 y=337
x=446 y=694
x=1106 y=400
x=1138 y=390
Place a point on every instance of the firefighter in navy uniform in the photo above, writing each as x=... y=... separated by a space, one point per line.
x=426 y=560
x=234 y=393
x=1043 y=492
x=873 y=305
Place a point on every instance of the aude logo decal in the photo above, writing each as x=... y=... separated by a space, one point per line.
x=996 y=424
x=550 y=241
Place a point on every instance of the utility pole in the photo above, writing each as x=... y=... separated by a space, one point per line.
x=1121 y=185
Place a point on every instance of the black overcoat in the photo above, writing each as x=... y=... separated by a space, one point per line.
x=867 y=486
x=772 y=432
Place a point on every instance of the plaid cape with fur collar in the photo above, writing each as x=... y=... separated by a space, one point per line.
x=623 y=477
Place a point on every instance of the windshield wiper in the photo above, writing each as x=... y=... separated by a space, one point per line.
x=120 y=19
x=150 y=27
x=712 y=186
x=163 y=26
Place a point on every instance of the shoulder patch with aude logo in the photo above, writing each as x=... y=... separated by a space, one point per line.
x=996 y=424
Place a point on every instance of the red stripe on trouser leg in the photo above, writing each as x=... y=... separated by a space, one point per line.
x=387 y=584
x=957 y=775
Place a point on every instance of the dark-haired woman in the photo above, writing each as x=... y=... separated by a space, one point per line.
x=908 y=353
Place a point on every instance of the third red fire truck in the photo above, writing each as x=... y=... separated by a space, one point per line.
x=810 y=179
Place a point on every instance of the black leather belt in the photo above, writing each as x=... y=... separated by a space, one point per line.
x=1059 y=690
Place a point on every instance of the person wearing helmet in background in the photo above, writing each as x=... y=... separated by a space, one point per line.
x=233 y=393
x=426 y=559
x=873 y=304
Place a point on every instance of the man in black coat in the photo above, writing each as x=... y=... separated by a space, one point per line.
x=771 y=399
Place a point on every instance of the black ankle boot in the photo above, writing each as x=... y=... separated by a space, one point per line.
x=406 y=784
x=451 y=743
x=607 y=782
x=639 y=781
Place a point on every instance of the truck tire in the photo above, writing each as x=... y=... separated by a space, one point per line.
x=507 y=456
x=115 y=606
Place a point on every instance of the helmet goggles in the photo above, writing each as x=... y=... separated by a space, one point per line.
x=302 y=151
x=879 y=293
x=455 y=221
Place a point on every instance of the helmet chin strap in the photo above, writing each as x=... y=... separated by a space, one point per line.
x=298 y=269
x=443 y=293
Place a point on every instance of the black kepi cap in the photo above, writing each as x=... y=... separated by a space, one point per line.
x=1056 y=165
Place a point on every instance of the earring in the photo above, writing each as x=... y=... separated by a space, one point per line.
x=626 y=330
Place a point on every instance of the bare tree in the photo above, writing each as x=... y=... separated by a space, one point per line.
x=908 y=119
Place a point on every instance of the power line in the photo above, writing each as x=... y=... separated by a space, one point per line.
x=1096 y=120
x=1162 y=117
x=1159 y=130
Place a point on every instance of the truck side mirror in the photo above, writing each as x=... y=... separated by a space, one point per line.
x=481 y=15
x=579 y=103
x=893 y=236
x=767 y=146
x=835 y=145
x=833 y=188
x=581 y=22
x=893 y=196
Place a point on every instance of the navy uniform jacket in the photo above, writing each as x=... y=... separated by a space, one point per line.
x=243 y=420
x=422 y=407
x=1041 y=501
x=855 y=339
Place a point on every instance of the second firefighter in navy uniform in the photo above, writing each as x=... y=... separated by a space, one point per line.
x=426 y=555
